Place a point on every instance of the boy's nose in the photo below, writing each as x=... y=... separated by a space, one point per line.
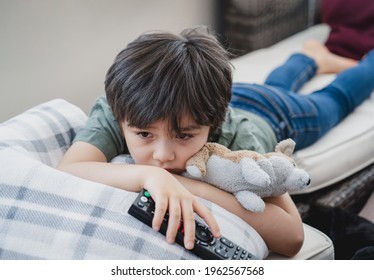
x=164 y=153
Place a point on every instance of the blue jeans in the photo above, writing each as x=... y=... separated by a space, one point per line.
x=305 y=118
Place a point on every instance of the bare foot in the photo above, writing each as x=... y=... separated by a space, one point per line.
x=327 y=61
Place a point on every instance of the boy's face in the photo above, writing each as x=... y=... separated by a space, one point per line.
x=155 y=145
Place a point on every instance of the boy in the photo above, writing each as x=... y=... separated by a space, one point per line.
x=166 y=96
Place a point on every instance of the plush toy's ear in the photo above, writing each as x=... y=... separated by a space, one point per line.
x=286 y=147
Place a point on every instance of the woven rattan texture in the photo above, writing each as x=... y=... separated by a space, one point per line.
x=351 y=193
x=253 y=24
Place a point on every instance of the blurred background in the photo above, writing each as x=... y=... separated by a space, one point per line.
x=63 y=48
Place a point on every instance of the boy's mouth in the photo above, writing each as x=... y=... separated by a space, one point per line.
x=174 y=170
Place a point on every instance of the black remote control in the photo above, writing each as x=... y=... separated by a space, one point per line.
x=206 y=245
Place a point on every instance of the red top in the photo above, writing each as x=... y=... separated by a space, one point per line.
x=352 y=26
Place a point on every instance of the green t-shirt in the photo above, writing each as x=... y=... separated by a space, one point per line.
x=241 y=130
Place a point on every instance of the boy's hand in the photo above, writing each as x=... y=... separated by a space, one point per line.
x=170 y=195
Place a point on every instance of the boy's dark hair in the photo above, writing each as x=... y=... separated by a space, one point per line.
x=161 y=76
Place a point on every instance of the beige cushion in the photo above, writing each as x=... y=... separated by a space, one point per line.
x=345 y=149
x=317 y=246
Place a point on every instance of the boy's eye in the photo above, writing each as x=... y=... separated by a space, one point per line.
x=184 y=136
x=144 y=134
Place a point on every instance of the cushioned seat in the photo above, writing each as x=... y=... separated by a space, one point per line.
x=317 y=246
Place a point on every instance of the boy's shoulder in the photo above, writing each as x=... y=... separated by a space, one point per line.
x=102 y=130
x=102 y=108
x=243 y=130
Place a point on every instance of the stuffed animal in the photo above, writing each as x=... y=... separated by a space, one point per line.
x=249 y=175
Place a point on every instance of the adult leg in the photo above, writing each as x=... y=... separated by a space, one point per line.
x=309 y=117
x=349 y=89
x=293 y=74
x=328 y=62
x=300 y=68
x=306 y=118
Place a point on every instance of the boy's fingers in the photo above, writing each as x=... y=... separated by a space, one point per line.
x=174 y=220
x=178 y=209
x=160 y=210
x=188 y=225
x=208 y=217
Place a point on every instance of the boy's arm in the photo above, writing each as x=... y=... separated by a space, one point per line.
x=279 y=225
x=86 y=161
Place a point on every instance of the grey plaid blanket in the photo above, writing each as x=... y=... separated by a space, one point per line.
x=48 y=214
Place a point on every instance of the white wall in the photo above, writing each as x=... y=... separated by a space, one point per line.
x=63 y=48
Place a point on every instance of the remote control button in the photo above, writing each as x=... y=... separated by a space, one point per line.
x=211 y=243
x=203 y=234
x=146 y=194
x=140 y=204
x=227 y=242
x=143 y=199
x=249 y=257
x=202 y=243
x=222 y=253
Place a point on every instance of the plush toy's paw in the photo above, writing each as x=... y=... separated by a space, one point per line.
x=253 y=173
x=266 y=166
x=194 y=171
x=250 y=201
